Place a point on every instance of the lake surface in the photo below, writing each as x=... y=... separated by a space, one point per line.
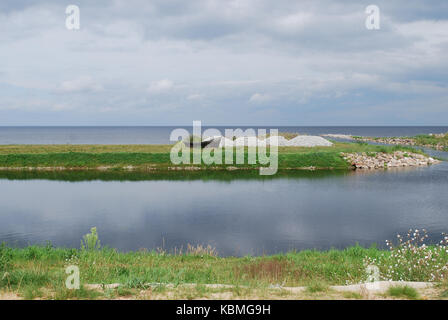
x=238 y=216
x=160 y=135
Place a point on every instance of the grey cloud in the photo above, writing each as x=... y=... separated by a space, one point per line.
x=152 y=60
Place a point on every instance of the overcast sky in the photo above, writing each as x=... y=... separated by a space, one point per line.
x=253 y=62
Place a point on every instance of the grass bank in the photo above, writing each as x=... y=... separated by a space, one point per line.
x=198 y=271
x=39 y=272
x=157 y=157
x=44 y=267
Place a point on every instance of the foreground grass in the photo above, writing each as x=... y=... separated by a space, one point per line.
x=152 y=157
x=39 y=271
x=45 y=264
x=403 y=292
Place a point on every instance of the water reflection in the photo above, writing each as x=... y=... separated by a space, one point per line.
x=120 y=175
x=238 y=214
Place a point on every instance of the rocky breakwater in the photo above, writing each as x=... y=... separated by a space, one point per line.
x=381 y=160
x=409 y=141
x=399 y=141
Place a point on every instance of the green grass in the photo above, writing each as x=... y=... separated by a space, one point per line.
x=317 y=287
x=151 y=157
x=424 y=140
x=39 y=271
x=352 y=295
x=36 y=269
x=403 y=292
x=427 y=140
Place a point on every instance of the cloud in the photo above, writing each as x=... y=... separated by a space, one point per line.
x=293 y=23
x=160 y=86
x=259 y=98
x=210 y=59
x=62 y=107
x=195 y=96
x=81 y=84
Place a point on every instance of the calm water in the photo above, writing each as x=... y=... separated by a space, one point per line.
x=160 y=135
x=240 y=216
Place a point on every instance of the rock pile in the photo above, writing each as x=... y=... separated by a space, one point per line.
x=308 y=141
x=299 y=141
x=381 y=160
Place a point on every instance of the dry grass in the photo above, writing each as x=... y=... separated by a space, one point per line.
x=200 y=250
x=192 y=250
x=87 y=148
x=269 y=270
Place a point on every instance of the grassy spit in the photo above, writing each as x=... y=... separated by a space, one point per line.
x=440 y=141
x=435 y=141
x=157 y=157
